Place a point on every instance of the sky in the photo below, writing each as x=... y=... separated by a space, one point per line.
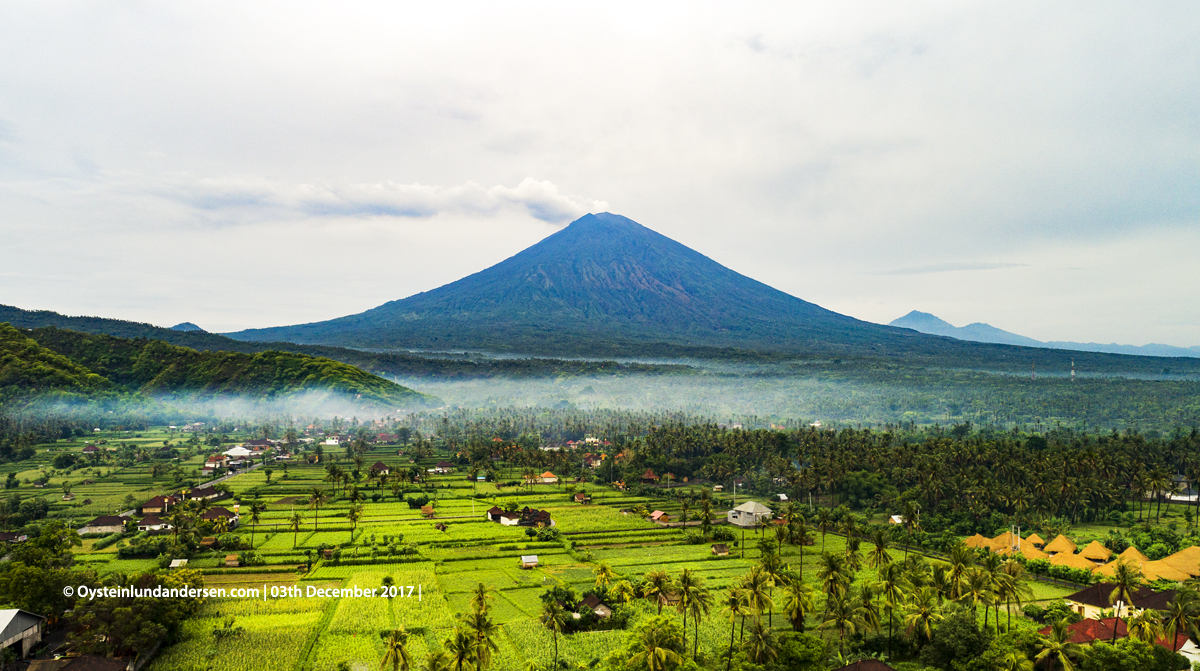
x=239 y=165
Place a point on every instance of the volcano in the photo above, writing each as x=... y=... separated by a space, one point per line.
x=604 y=285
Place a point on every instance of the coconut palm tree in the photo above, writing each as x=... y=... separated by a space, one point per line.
x=798 y=601
x=396 y=651
x=831 y=573
x=1146 y=626
x=554 y=618
x=294 y=524
x=256 y=511
x=1058 y=648
x=824 y=524
x=315 y=499
x=656 y=645
x=922 y=614
x=762 y=647
x=1126 y=578
x=688 y=586
x=604 y=575
x=892 y=585
x=483 y=631
x=354 y=515
x=622 y=591
x=481 y=598
x=879 y=556
x=657 y=584
x=699 y=606
x=757 y=585
x=843 y=614
x=460 y=647
x=734 y=606
x=1183 y=613
x=1016 y=661
x=1010 y=587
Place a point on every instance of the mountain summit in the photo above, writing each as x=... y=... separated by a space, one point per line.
x=601 y=285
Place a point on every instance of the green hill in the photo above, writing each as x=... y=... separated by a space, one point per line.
x=26 y=366
x=52 y=358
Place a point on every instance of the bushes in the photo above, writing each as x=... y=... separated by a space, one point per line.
x=107 y=541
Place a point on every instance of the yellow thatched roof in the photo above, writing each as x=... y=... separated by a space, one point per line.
x=979 y=541
x=1161 y=570
x=1060 y=544
x=1035 y=539
x=1072 y=561
x=1005 y=540
x=1186 y=560
x=1027 y=551
x=1096 y=552
x=1134 y=555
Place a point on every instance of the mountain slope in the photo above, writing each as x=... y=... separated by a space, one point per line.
x=602 y=285
x=156 y=367
x=980 y=332
x=26 y=366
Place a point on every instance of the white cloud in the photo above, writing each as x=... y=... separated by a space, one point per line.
x=258 y=198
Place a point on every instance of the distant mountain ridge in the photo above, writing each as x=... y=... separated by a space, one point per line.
x=980 y=332
x=606 y=286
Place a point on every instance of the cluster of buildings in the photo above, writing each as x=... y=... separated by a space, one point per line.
x=1093 y=601
x=1094 y=557
x=240 y=455
x=155 y=511
x=526 y=517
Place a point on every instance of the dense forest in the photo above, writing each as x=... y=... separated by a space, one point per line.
x=55 y=359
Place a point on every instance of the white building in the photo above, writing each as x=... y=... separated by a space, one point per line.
x=748 y=514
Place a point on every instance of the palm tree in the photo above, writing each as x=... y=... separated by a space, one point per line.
x=1183 y=613
x=1146 y=626
x=922 y=614
x=657 y=645
x=800 y=536
x=481 y=598
x=604 y=575
x=824 y=524
x=757 y=585
x=354 y=515
x=879 y=557
x=461 y=649
x=483 y=631
x=734 y=606
x=294 y=524
x=1010 y=587
x=553 y=618
x=1126 y=578
x=843 y=614
x=315 y=499
x=658 y=585
x=798 y=600
x=699 y=606
x=1058 y=648
x=762 y=647
x=892 y=585
x=831 y=573
x=961 y=558
x=437 y=660
x=622 y=591
x=1016 y=661
x=870 y=608
x=688 y=586
x=256 y=511
x=396 y=651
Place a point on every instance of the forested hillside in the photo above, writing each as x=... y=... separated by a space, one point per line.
x=27 y=366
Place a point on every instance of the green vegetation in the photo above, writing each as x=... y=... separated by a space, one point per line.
x=50 y=358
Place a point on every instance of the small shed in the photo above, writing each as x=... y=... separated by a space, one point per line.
x=231 y=561
x=583 y=497
x=782 y=497
x=718 y=488
x=529 y=561
x=896 y=519
x=381 y=468
x=327 y=553
x=596 y=605
x=427 y=510
x=720 y=549
x=20 y=628
x=660 y=516
x=178 y=563
x=440 y=526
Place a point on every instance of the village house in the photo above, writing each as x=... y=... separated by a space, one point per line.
x=158 y=505
x=231 y=561
x=596 y=605
x=20 y=630
x=217 y=512
x=548 y=478
x=1088 y=631
x=583 y=497
x=152 y=523
x=381 y=468
x=105 y=524
x=442 y=467
x=748 y=514
x=214 y=463
x=720 y=549
x=649 y=478
x=206 y=493
x=1090 y=601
